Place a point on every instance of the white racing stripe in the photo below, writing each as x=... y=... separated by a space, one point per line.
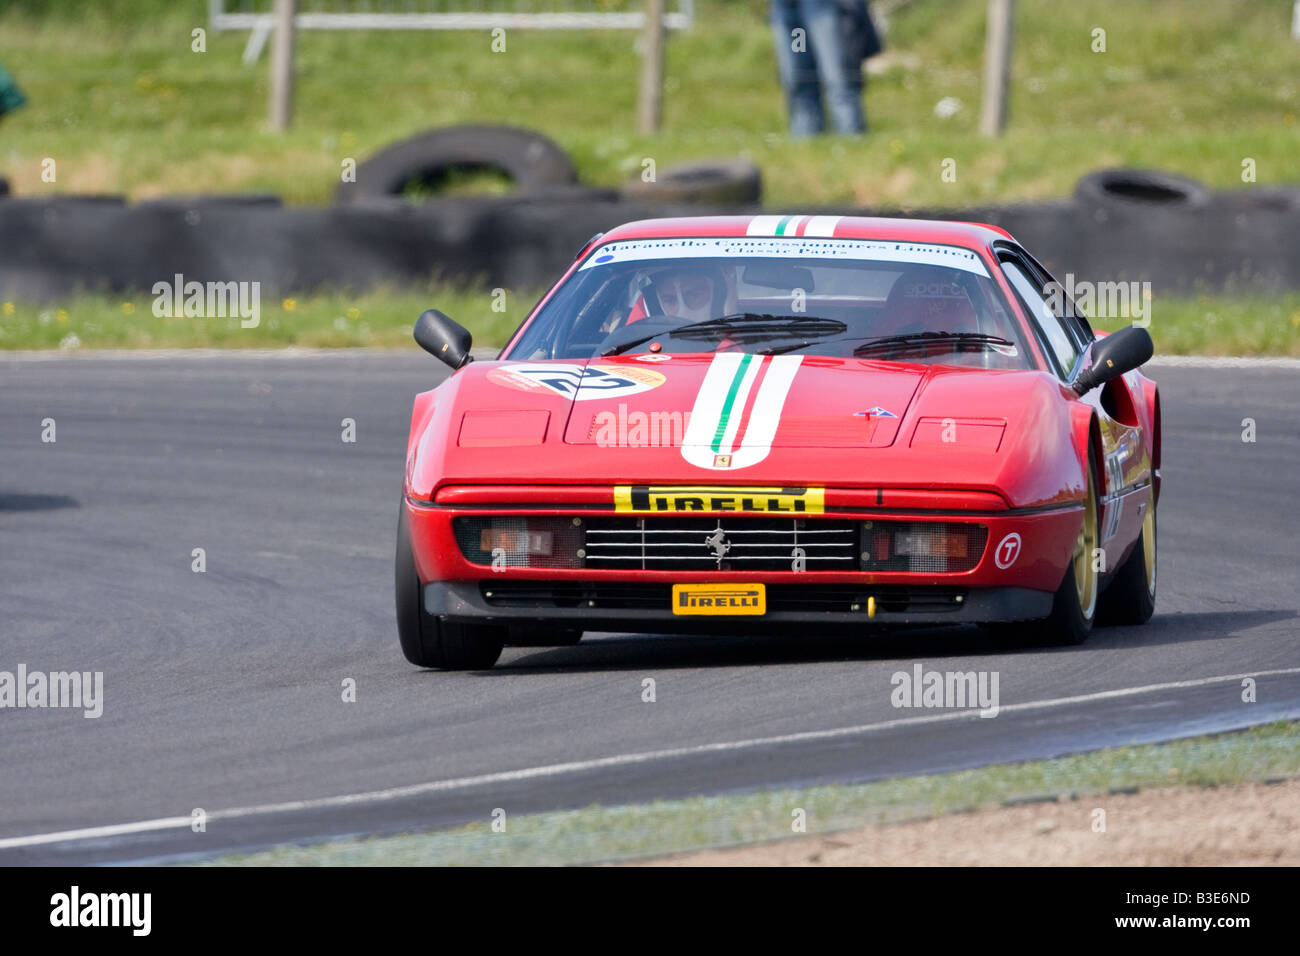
x=620 y=760
x=822 y=226
x=763 y=225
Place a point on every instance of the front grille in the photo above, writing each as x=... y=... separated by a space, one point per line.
x=621 y=596
x=721 y=544
x=613 y=595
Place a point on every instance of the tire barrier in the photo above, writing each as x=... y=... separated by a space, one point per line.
x=531 y=161
x=1243 y=240
x=1140 y=188
x=1283 y=199
x=1222 y=245
x=199 y=203
x=87 y=201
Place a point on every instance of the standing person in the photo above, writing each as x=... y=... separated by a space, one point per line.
x=10 y=99
x=820 y=45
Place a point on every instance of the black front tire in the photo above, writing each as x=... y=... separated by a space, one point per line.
x=1066 y=626
x=1131 y=596
x=426 y=641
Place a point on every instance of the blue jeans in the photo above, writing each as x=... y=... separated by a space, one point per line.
x=814 y=60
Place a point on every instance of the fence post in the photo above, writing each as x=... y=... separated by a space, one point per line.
x=281 y=105
x=997 y=66
x=650 y=103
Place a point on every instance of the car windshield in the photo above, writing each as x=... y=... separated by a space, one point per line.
x=814 y=296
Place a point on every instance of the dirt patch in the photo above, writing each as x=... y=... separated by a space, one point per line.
x=1246 y=825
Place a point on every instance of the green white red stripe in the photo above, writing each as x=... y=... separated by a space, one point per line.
x=820 y=226
x=738 y=409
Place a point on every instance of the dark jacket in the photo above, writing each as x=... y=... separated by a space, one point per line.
x=861 y=38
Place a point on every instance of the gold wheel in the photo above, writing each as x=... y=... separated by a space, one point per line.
x=1085 y=574
x=1149 y=547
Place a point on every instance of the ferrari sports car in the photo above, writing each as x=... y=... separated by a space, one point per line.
x=784 y=423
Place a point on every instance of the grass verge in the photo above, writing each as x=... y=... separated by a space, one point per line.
x=382 y=317
x=1206 y=325
x=121 y=101
x=598 y=834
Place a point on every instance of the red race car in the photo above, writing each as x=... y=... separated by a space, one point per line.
x=781 y=422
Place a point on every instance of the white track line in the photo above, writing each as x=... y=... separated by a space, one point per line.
x=129 y=355
x=1225 y=361
x=581 y=766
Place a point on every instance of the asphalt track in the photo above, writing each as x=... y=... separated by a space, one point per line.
x=223 y=690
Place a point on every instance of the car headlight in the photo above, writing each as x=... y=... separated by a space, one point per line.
x=527 y=541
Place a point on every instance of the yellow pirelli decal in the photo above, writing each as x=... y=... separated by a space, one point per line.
x=661 y=499
x=719 y=598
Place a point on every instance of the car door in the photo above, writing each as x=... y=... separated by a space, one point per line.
x=1065 y=335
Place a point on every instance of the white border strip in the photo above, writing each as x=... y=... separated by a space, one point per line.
x=620 y=760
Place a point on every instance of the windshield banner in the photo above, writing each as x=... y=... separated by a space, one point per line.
x=786 y=247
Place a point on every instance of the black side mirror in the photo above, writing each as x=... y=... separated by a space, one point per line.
x=443 y=338
x=1114 y=355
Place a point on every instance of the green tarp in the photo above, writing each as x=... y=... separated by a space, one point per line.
x=10 y=96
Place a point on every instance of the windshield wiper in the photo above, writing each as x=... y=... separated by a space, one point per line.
x=795 y=346
x=956 y=339
x=749 y=326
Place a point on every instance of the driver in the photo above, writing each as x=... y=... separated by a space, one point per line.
x=695 y=291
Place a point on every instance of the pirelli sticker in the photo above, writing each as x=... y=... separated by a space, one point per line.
x=662 y=499
x=719 y=598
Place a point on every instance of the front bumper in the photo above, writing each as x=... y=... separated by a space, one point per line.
x=640 y=606
x=1044 y=537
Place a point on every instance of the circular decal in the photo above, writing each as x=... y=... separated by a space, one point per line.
x=1007 y=551
x=574 y=381
x=652 y=357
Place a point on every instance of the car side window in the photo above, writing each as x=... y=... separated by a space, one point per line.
x=1060 y=342
x=1076 y=322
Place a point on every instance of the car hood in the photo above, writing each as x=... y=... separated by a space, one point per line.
x=736 y=418
x=740 y=405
